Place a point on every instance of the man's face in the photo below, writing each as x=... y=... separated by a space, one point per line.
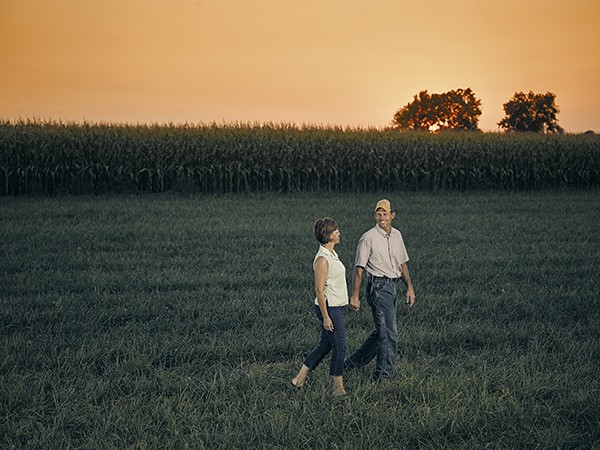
x=384 y=219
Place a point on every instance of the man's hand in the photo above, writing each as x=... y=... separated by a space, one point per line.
x=355 y=303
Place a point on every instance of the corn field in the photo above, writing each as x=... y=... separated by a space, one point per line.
x=43 y=158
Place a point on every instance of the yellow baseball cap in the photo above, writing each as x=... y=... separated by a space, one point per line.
x=383 y=204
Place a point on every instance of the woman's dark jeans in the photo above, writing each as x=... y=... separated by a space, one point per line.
x=334 y=341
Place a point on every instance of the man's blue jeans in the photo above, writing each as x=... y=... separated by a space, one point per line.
x=382 y=342
x=334 y=341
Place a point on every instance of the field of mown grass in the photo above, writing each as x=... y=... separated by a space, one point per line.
x=49 y=157
x=173 y=321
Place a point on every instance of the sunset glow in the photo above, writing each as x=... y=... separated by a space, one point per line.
x=349 y=63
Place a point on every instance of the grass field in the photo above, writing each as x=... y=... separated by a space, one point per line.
x=177 y=322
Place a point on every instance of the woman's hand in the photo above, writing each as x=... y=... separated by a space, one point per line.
x=327 y=324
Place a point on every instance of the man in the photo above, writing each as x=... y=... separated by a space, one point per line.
x=382 y=254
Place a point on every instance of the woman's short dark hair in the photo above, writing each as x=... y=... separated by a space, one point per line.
x=323 y=229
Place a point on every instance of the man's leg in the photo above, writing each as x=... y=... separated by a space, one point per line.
x=368 y=350
x=384 y=301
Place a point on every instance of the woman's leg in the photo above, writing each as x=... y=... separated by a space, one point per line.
x=338 y=386
x=316 y=355
x=300 y=378
x=337 y=338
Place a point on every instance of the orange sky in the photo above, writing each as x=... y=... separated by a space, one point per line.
x=328 y=62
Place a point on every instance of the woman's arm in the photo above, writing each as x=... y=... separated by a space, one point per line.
x=321 y=267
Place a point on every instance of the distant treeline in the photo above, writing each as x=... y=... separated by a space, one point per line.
x=49 y=157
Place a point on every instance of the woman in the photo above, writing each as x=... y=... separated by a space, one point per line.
x=332 y=297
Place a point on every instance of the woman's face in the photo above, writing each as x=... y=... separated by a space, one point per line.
x=335 y=236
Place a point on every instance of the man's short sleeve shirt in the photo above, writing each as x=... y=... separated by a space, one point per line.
x=381 y=254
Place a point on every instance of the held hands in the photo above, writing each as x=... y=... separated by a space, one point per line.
x=355 y=303
x=327 y=324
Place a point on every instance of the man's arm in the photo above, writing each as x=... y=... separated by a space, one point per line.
x=410 y=292
x=356 y=282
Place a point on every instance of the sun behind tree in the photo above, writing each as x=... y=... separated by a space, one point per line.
x=454 y=110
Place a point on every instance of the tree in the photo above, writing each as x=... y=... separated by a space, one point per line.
x=531 y=112
x=454 y=110
x=460 y=110
x=416 y=115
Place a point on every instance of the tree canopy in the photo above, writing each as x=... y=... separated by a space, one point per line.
x=531 y=112
x=454 y=110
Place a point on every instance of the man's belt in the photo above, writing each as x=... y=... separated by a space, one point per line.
x=373 y=278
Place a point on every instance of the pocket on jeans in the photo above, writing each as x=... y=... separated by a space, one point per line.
x=386 y=291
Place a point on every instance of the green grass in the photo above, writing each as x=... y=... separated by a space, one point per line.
x=177 y=322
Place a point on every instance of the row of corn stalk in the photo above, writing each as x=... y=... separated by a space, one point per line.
x=50 y=157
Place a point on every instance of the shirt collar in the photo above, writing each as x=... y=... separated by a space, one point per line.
x=382 y=232
x=326 y=250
